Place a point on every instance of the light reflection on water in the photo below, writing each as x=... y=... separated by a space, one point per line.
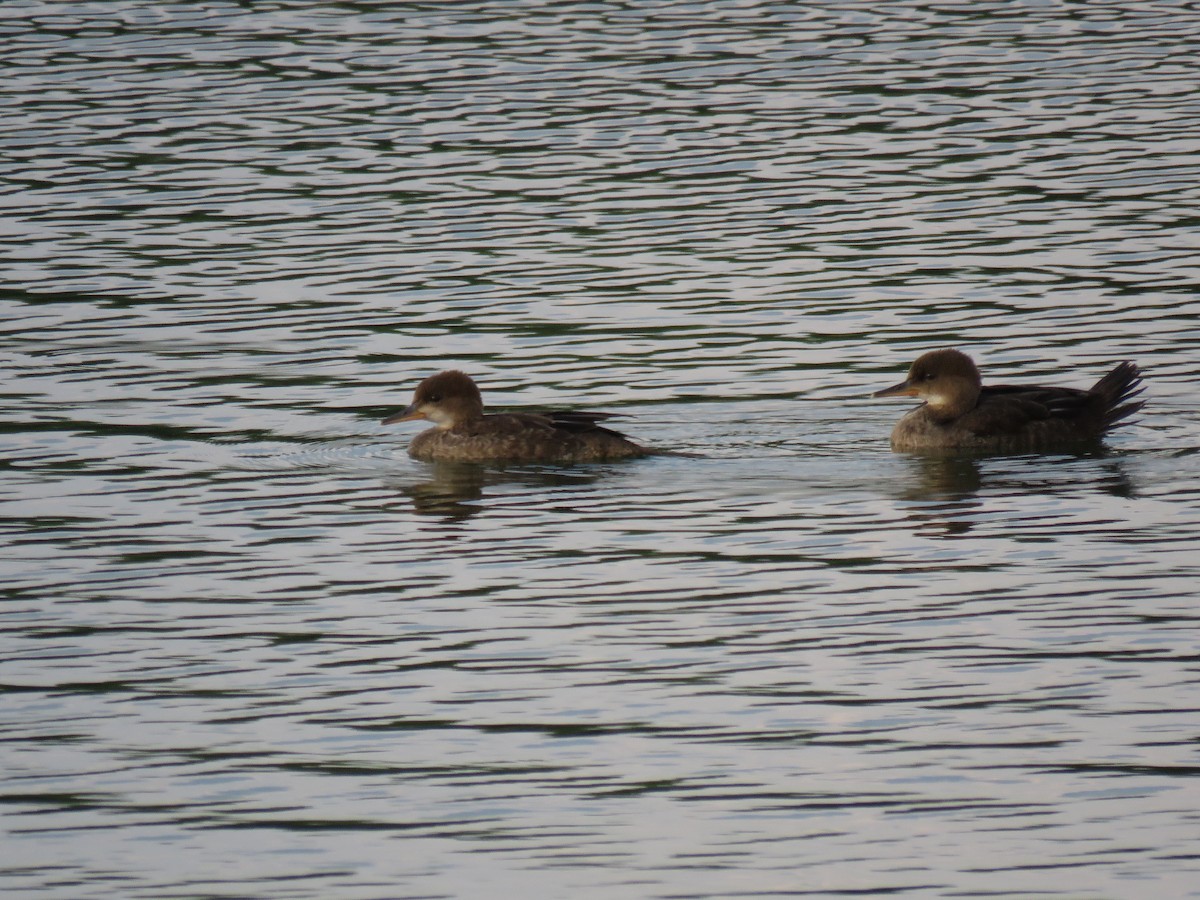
x=251 y=648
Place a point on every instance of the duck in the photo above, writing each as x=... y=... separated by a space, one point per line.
x=960 y=413
x=463 y=432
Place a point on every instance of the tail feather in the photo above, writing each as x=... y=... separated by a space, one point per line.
x=1116 y=389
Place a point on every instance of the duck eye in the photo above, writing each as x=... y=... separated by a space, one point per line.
x=928 y=376
x=435 y=398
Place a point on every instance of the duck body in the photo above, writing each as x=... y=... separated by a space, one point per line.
x=464 y=433
x=961 y=414
x=525 y=437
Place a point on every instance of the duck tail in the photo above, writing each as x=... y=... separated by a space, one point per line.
x=1116 y=391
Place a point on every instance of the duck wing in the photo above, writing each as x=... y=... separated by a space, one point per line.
x=1009 y=409
x=582 y=421
x=556 y=422
x=1057 y=411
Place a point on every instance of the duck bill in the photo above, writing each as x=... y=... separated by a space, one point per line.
x=903 y=389
x=405 y=415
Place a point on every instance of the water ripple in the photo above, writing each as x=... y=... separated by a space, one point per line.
x=788 y=661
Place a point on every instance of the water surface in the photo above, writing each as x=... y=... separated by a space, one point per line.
x=250 y=648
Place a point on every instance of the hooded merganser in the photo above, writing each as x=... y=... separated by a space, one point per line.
x=463 y=433
x=959 y=413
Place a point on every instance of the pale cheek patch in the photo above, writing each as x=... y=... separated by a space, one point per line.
x=939 y=400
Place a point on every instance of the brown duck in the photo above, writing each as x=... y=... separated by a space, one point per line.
x=959 y=413
x=464 y=433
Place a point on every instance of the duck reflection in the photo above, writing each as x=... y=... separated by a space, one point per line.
x=948 y=492
x=455 y=491
x=944 y=490
x=942 y=478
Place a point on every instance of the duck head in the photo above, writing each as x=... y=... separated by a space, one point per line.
x=446 y=399
x=946 y=380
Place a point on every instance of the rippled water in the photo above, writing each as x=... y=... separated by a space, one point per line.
x=251 y=649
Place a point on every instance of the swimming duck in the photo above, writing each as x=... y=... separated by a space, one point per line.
x=959 y=413
x=464 y=433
